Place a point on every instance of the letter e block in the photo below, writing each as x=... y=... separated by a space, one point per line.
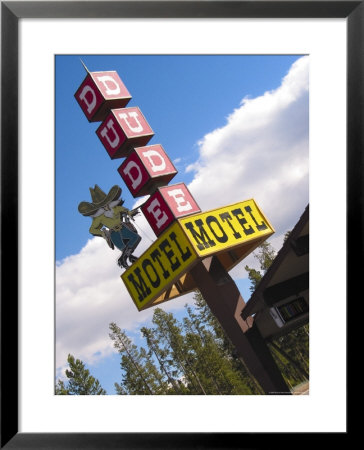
x=122 y=130
x=146 y=169
x=99 y=93
x=167 y=204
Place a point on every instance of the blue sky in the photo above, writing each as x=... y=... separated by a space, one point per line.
x=236 y=127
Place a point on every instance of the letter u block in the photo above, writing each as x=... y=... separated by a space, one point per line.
x=99 y=93
x=167 y=204
x=122 y=130
x=146 y=169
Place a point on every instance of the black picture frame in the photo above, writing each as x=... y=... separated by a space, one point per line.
x=11 y=13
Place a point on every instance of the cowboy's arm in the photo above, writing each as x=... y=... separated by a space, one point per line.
x=96 y=226
x=130 y=213
x=96 y=230
x=134 y=212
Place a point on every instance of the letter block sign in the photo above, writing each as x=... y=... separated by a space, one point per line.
x=100 y=92
x=167 y=204
x=122 y=130
x=145 y=169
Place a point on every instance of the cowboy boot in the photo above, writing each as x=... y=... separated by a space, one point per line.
x=133 y=258
x=122 y=261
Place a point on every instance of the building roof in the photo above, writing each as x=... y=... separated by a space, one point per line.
x=288 y=274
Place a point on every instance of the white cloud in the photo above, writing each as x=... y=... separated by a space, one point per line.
x=90 y=294
x=261 y=152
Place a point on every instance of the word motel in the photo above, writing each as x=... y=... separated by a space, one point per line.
x=188 y=240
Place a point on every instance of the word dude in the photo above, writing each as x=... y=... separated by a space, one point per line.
x=125 y=133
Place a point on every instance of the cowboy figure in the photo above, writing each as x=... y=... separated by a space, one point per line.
x=111 y=221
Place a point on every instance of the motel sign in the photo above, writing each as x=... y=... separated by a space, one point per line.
x=193 y=249
x=225 y=231
x=185 y=234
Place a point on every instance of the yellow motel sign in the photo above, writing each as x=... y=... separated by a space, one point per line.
x=165 y=261
x=162 y=272
x=225 y=228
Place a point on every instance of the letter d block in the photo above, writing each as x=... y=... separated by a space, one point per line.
x=99 y=93
x=146 y=169
x=122 y=130
x=167 y=204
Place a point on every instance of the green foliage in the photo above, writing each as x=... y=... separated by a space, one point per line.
x=212 y=364
x=291 y=353
x=61 y=388
x=80 y=382
x=254 y=276
x=225 y=345
x=265 y=255
x=286 y=236
x=191 y=357
x=140 y=375
x=162 y=357
x=291 y=350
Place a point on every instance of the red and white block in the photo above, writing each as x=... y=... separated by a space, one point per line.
x=146 y=169
x=99 y=93
x=122 y=130
x=167 y=204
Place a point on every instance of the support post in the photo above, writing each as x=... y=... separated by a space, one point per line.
x=226 y=303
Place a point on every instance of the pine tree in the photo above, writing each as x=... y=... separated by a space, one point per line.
x=290 y=351
x=119 y=389
x=293 y=347
x=140 y=375
x=161 y=355
x=61 y=389
x=155 y=377
x=80 y=382
x=198 y=359
x=169 y=333
x=239 y=373
x=265 y=255
x=190 y=358
x=211 y=364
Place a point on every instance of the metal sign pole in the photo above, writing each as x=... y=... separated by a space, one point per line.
x=224 y=299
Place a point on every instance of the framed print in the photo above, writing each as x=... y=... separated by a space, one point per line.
x=31 y=414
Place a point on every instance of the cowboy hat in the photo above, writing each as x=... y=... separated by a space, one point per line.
x=99 y=199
